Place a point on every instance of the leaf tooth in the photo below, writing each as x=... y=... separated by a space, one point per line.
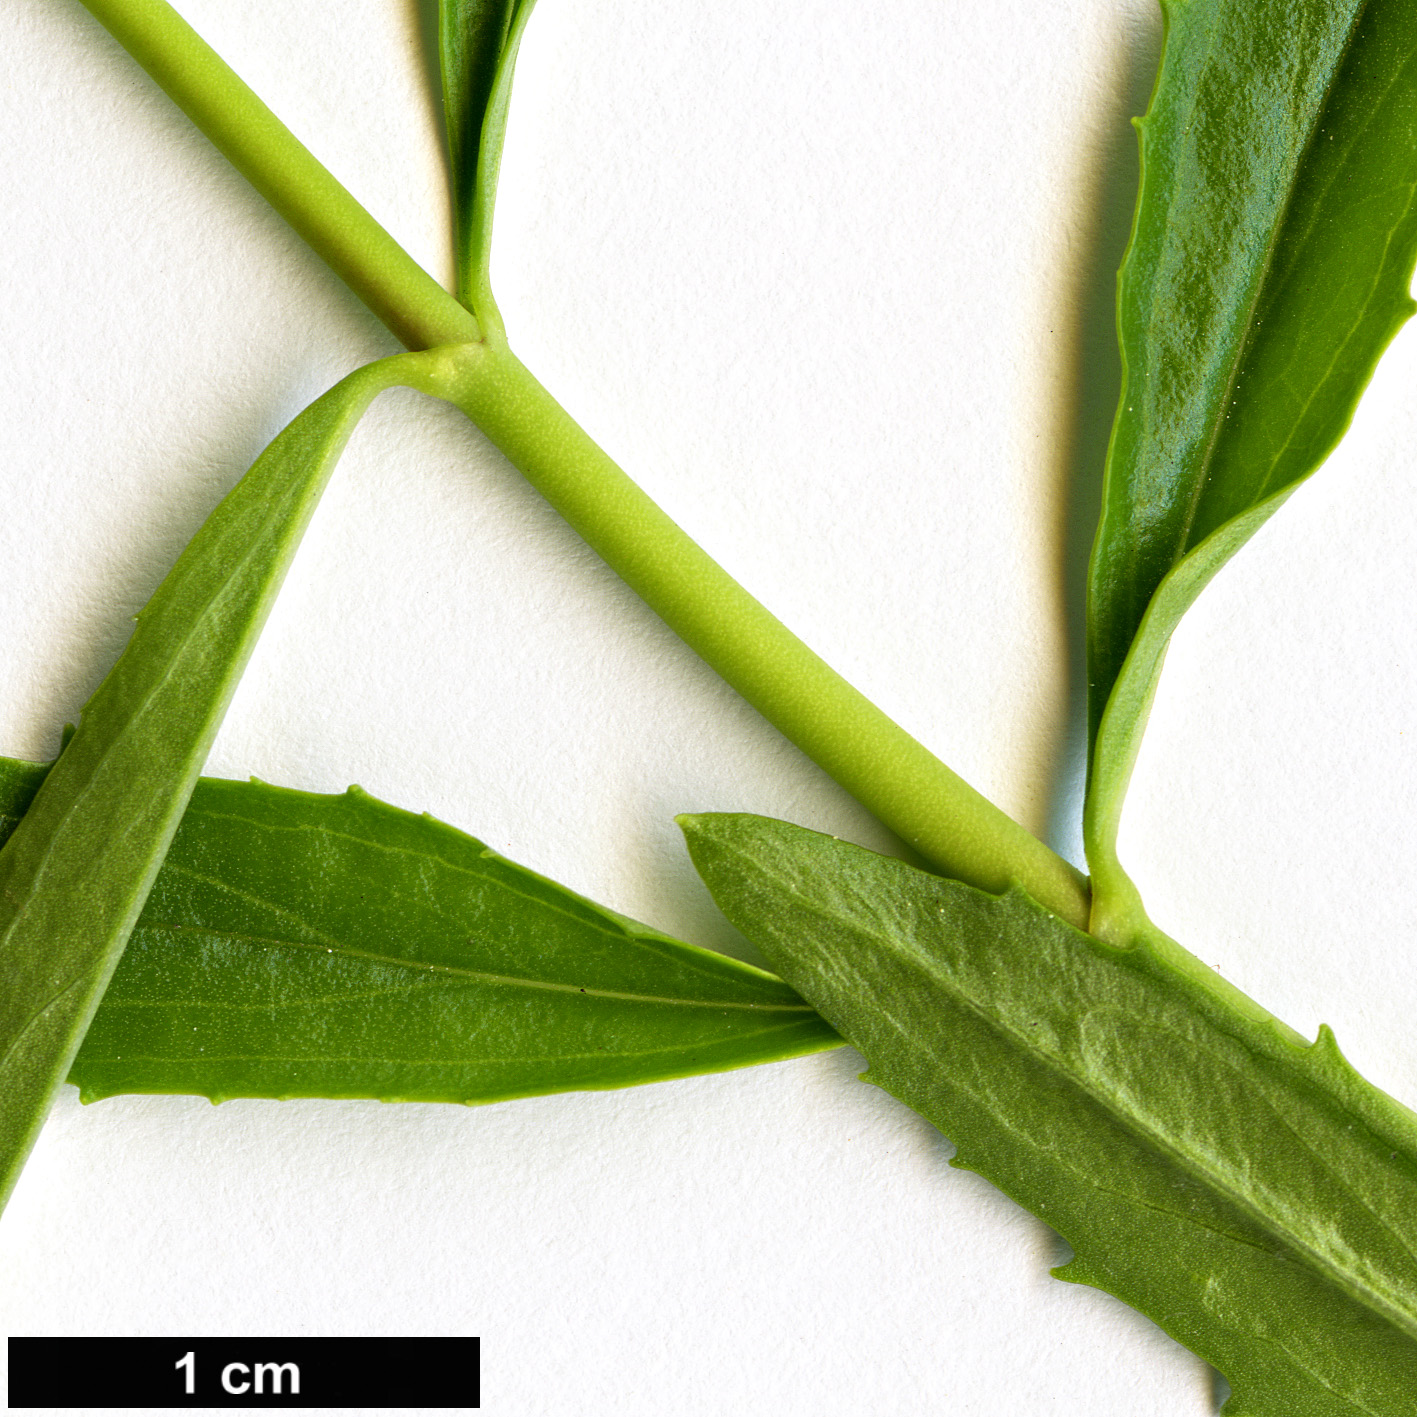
x=1325 y=1050
x=1079 y=1271
x=1328 y=1062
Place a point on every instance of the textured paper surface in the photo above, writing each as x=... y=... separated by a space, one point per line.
x=836 y=290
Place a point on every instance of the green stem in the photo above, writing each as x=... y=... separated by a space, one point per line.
x=876 y=760
x=272 y=159
x=947 y=821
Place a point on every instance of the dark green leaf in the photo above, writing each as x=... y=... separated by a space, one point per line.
x=477 y=49
x=306 y=946
x=1269 y=267
x=1251 y=1193
x=76 y=871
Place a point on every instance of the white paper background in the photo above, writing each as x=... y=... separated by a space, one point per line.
x=836 y=291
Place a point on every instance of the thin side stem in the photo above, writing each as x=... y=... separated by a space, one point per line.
x=381 y=273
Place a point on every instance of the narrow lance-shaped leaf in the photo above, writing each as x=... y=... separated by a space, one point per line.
x=477 y=50
x=297 y=945
x=1269 y=266
x=1249 y=1191
x=76 y=871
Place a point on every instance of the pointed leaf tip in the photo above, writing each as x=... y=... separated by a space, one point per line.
x=350 y=949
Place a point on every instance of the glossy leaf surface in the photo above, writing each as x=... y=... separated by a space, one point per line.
x=76 y=871
x=477 y=50
x=1269 y=267
x=1253 y=1195
x=307 y=946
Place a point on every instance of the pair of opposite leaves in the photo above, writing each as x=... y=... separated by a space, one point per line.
x=1274 y=150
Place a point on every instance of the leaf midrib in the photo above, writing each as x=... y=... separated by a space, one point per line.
x=457 y=971
x=517 y=1059
x=135 y=722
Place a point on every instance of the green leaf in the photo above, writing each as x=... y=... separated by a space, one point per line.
x=1251 y=1193
x=477 y=50
x=77 y=870
x=306 y=946
x=1269 y=266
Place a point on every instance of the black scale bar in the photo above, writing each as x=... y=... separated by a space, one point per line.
x=245 y=1372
